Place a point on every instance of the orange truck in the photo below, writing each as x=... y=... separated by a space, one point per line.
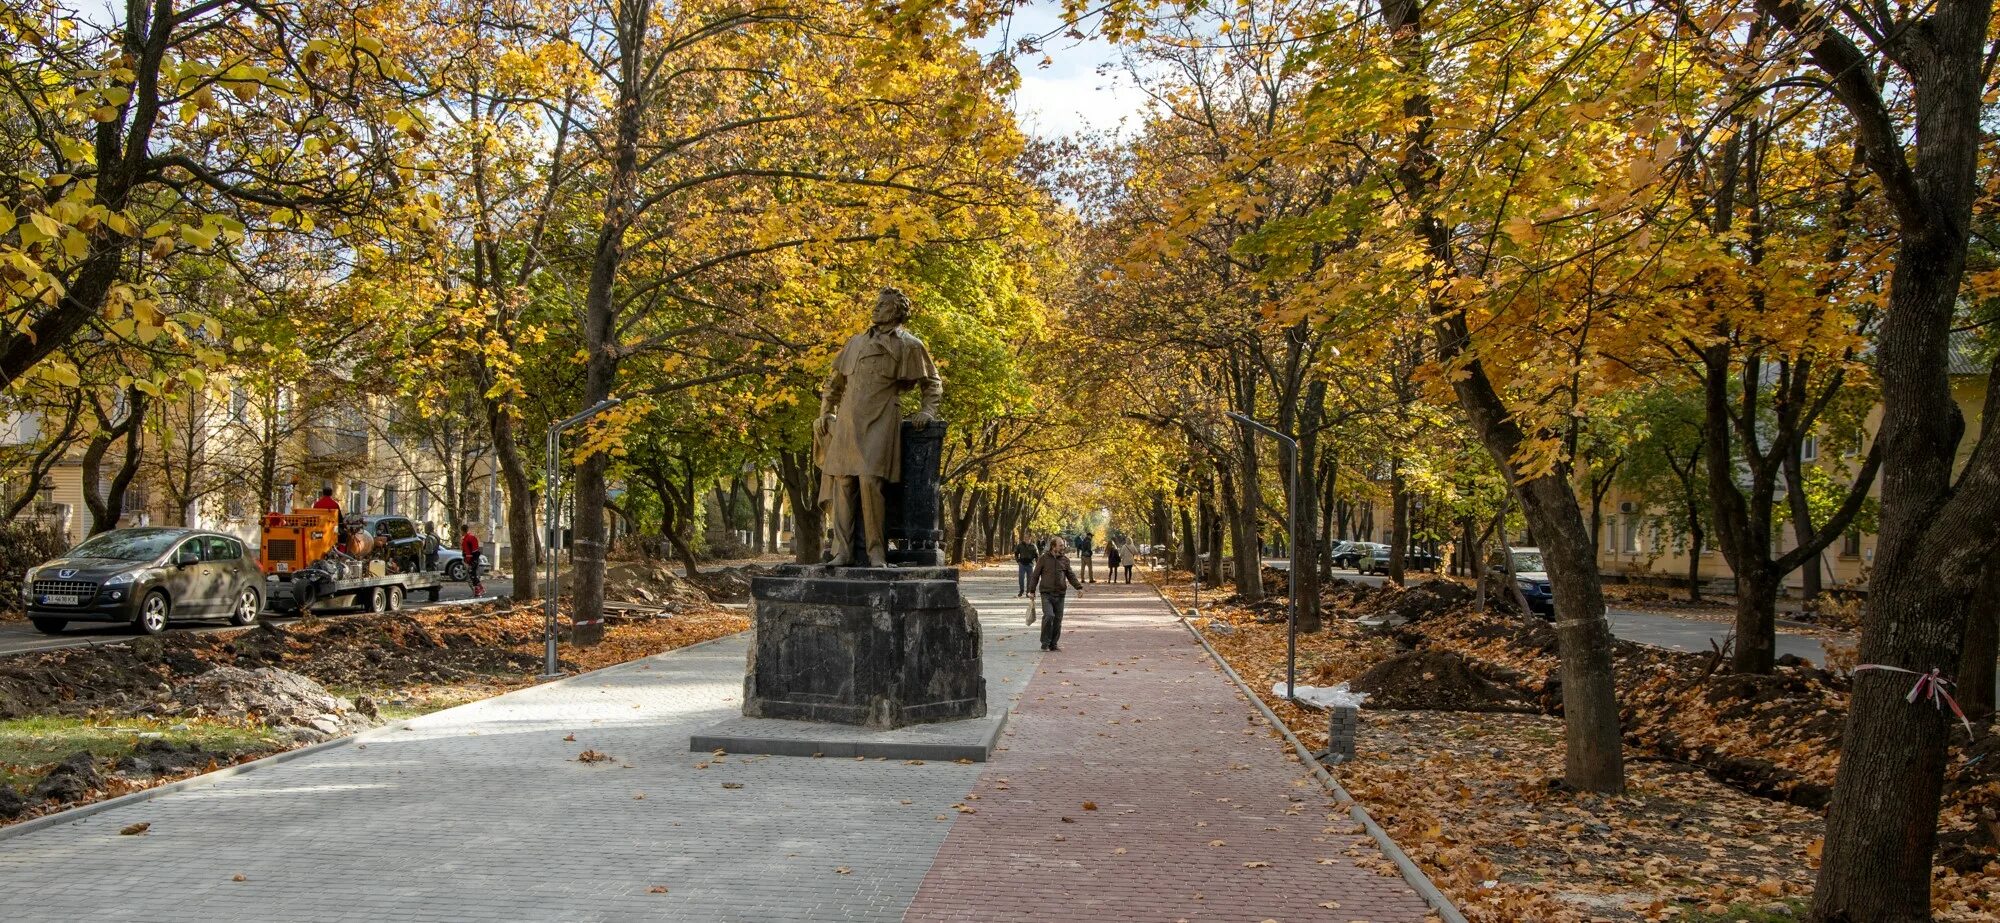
x=303 y=570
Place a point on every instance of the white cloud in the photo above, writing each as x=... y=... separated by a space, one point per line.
x=1081 y=89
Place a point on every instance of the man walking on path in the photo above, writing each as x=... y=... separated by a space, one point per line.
x=1083 y=551
x=1051 y=572
x=1025 y=554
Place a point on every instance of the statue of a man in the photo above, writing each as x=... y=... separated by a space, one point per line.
x=860 y=431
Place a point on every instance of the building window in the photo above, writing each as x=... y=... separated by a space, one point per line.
x=357 y=498
x=1611 y=534
x=1631 y=535
x=239 y=404
x=1809 y=449
x=390 y=494
x=1850 y=544
x=423 y=504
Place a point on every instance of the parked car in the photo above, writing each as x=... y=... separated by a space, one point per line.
x=398 y=539
x=1348 y=554
x=452 y=562
x=1530 y=574
x=1375 y=560
x=148 y=577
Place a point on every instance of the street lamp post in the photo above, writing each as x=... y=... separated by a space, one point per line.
x=1292 y=541
x=550 y=536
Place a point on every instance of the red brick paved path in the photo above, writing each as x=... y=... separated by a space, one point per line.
x=1190 y=789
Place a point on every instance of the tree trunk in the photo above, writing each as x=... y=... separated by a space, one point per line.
x=107 y=508
x=632 y=23
x=1694 y=562
x=1935 y=534
x=1305 y=552
x=1982 y=645
x=1593 y=760
x=1324 y=561
x=521 y=537
x=1245 y=558
x=1190 y=540
x=1802 y=526
x=758 y=498
x=1756 y=620
x=801 y=479
x=1399 y=519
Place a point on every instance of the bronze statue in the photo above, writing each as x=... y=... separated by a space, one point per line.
x=858 y=437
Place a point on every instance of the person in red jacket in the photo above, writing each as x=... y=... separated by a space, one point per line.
x=469 y=545
x=326 y=502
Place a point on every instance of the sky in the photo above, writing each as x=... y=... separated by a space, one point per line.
x=1076 y=91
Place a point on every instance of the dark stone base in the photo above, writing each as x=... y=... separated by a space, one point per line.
x=973 y=739
x=879 y=647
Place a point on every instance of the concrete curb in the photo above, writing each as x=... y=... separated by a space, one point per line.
x=83 y=811
x=1412 y=874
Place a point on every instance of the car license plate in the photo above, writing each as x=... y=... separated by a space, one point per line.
x=58 y=599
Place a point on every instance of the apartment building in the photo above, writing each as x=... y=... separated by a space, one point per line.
x=1635 y=541
x=217 y=459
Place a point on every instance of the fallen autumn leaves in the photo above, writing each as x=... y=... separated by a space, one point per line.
x=1475 y=796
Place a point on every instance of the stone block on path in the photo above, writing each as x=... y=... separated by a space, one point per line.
x=881 y=648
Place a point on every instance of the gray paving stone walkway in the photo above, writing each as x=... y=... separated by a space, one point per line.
x=483 y=813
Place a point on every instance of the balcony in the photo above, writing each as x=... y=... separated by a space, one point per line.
x=336 y=446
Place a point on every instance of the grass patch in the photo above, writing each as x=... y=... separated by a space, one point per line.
x=28 y=746
x=1794 y=911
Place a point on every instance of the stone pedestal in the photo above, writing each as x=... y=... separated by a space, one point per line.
x=880 y=647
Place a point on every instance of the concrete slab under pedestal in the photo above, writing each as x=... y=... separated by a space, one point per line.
x=971 y=739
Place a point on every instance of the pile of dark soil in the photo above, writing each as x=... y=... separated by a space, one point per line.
x=649 y=582
x=1277 y=582
x=380 y=650
x=155 y=758
x=394 y=650
x=1439 y=681
x=729 y=584
x=1341 y=593
x=1419 y=601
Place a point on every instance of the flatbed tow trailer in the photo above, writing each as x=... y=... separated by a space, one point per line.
x=294 y=580
x=374 y=594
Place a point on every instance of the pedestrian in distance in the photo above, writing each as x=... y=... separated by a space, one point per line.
x=1130 y=555
x=468 y=545
x=431 y=545
x=1083 y=551
x=1051 y=579
x=1025 y=554
x=1111 y=553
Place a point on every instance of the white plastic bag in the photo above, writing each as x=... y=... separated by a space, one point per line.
x=1323 y=696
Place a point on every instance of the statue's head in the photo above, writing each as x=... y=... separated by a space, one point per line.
x=892 y=306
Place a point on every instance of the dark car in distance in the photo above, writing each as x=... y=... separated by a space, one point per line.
x=148 y=577
x=398 y=539
x=1375 y=560
x=1349 y=554
x=1529 y=574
